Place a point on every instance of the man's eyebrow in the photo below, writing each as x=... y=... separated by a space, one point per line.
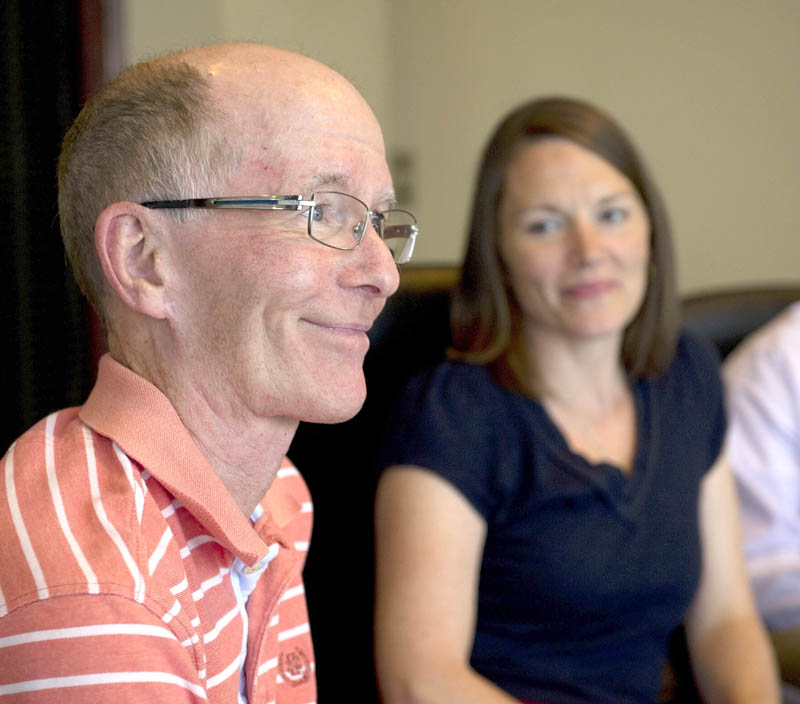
x=386 y=201
x=329 y=179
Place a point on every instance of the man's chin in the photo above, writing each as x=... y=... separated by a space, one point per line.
x=335 y=408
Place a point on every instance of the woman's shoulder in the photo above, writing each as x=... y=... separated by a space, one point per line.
x=454 y=384
x=688 y=400
x=696 y=359
x=692 y=384
x=443 y=422
x=448 y=395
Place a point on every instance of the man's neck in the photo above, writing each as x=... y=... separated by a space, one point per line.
x=245 y=461
x=244 y=450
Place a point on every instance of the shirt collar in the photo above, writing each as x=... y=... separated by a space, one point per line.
x=132 y=412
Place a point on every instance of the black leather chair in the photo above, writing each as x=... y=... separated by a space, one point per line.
x=726 y=316
x=339 y=463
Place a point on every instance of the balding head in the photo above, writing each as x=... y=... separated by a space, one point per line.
x=275 y=100
x=181 y=125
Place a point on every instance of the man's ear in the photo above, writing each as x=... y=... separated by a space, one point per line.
x=129 y=246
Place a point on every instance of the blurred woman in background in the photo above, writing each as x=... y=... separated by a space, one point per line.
x=556 y=503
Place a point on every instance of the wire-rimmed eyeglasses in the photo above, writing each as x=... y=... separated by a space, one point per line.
x=335 y=219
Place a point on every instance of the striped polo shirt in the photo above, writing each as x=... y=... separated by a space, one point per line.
x=123 y=558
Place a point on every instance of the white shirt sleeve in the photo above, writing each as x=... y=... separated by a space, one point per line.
x=762 y=380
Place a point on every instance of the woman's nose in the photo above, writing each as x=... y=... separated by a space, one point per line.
x=586 y=240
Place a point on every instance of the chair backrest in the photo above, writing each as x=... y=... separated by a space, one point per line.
x=727 y=316
x=339 y=461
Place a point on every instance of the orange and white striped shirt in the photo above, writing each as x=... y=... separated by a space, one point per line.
x=119 y=558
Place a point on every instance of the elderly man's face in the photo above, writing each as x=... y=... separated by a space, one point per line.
x=269 y=321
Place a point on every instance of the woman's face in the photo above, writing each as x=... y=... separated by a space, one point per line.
x=575 y=241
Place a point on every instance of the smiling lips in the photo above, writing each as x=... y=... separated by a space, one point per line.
x=347 y=334
x=343 y=328
x=589 y=290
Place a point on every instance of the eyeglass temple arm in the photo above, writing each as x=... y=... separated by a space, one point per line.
x=252 y=202
x=407 y=231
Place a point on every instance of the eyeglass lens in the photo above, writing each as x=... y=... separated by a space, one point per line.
x=339 y=220
x=399 y=233
x=336 y=220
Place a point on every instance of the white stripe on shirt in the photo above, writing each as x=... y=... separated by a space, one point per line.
x=22 y=532
x=172 y=613
x=219 y=678
x=181 y=586
x=58 y=502
x=101 y=678
x=191 y=641
x=293 y=592
x=219 y=625
x=293 y=632
x=138 y=492
x=209 y=583
x=158 y=553
x=270 y=664
x=105 y=629
x=195 y=542
x=173 y=506
x=97 y=502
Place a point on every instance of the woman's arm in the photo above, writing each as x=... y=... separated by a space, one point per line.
x=728 y=645
x=429 y=542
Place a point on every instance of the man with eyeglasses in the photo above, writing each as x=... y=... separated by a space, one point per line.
x=228 y=211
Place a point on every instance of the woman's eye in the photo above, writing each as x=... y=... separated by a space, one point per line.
x=613 y=215
x=541 y=227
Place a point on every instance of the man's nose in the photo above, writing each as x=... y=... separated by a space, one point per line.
x=374 y=264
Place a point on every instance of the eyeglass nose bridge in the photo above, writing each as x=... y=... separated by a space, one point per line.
x=377 y=221
x=360 y=228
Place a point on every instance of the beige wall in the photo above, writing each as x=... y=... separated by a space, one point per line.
x=348 y=35
x=708 y=88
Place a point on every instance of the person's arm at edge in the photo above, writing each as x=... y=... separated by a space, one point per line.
x=429 y=544
x=762 y=387
x=730 y=653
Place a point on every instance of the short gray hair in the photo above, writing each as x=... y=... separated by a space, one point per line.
x=153 y=133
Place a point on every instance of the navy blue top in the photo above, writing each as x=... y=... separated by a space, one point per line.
x=586 y=571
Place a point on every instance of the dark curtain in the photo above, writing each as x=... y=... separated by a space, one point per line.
x=48 y=360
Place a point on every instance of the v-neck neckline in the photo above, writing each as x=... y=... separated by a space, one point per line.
x=625 y=491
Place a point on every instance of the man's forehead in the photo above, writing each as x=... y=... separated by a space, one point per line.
x=300 y=124
x=344 y=156
x=367 y=179
x=281 y=120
